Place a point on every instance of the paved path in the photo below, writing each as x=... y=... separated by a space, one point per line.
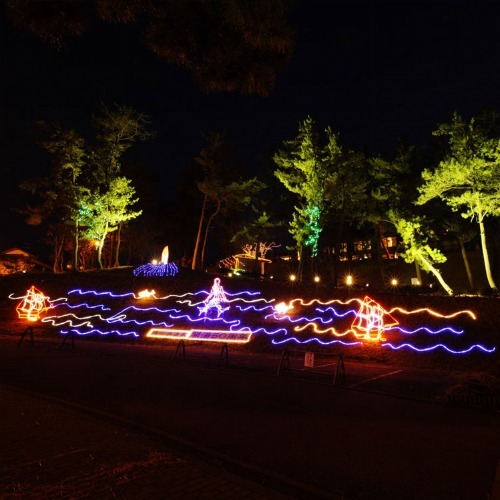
x=299 y=438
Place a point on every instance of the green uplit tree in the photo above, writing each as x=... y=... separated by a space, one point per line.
x=85 y=173
x=61 y=192
x=118 y=128
x=415 y=236
x=302 y=172
x=328 y=181
x=102 y=214
x=468 y=179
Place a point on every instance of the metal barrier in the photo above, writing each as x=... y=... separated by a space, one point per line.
x=310 y=363
x=180 y=352
x=29 y=332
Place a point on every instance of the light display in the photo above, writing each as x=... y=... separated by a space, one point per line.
x=33 y=305
x=155 y=269
x=216 y=315
x=146 y=294
x=215 y=299
x=371 y=321
x=235 y=337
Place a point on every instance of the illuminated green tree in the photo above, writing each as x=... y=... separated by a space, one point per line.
x=118 y=128
x=416 y=236
x=302 y=172
x=102 y=214
x=60 y=192
x=328 y=181
x=82 y=171
x=468 y=179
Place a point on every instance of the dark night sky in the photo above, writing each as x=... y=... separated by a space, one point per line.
x=374 y=72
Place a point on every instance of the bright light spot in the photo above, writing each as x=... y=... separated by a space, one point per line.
x=282 y=308
x=349 y=280
x=394 y=282
x=154 y=262
x=293 y=277
x=146 y=294
x=316 y=279
x=164 y=255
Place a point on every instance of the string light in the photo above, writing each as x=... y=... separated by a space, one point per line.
x=187 y=316
x=33 y=305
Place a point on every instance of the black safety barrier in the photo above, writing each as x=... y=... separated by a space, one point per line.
x=310 y=364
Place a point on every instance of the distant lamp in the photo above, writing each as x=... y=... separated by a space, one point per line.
x=154 y=262
x=292 y=277
x=394 y=282
x=316 y=279
x=349 y=280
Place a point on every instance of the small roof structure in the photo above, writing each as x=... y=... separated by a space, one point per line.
x=17 y=252
x=249 y=258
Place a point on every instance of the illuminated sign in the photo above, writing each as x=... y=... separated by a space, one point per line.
x=238 y=337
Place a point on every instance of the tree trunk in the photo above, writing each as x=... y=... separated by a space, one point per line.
x=101 y=246
x=418 y=272
x=466 y=264
x=116 y=263
x=205 y=238
x=198 y=236
x=437 y=274
x=486 y=257
x=76 y=266
x=256 y=261
x=58 y=251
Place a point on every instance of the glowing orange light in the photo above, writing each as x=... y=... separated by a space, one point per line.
x=282 y=308
x=146 y=294
x=293 y=277
x=33 y=305
x=349 y=280
x=316 y=279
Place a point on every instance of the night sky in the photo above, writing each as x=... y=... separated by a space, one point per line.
x=375 y=72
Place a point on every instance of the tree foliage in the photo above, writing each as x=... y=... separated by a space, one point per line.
x=230 y=45
x=416 y=236
x=223 y=190
x=85 y=189
x=468 y=179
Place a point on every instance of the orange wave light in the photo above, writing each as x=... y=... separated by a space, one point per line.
x=33 y=305
x=371 y=321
